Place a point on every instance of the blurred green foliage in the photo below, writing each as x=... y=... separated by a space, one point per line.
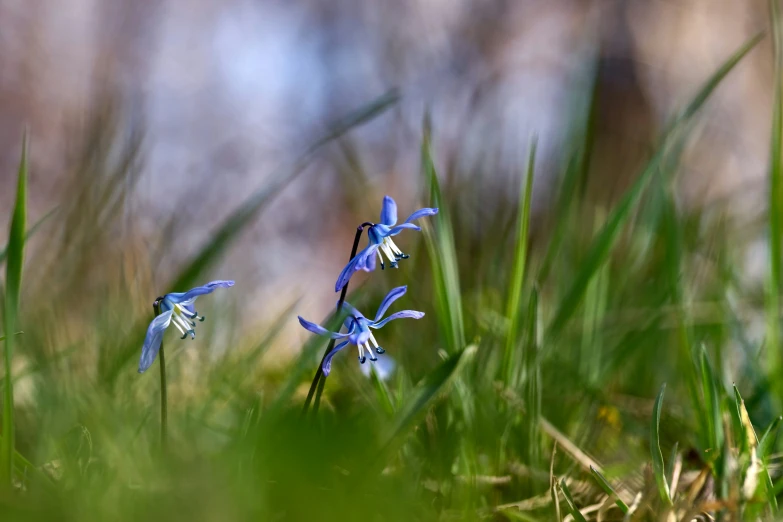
x=527 y=393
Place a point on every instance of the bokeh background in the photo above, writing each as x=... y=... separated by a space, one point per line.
x=157 y=129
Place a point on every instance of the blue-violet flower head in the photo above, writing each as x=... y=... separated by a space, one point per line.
x=380 y=241
x=178 y=309
x=359 y=328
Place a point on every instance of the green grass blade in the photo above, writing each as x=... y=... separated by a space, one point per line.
x=773 y=286
x=424 y=393
x=608 y=489
x=13 y=281
x=714 y=416
x=443 y=256
x=32 y=230
x=655 y=449
x=603 y=243
x=578 y=516
x=518 y=272
x=767 y=441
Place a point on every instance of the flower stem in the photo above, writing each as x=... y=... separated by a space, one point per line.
x=164 y=413
x=319 y=381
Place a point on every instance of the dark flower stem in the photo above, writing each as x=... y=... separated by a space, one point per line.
x=319 y=380
x=164 y=413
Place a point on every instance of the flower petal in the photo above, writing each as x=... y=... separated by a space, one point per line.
x=357 y=263
x=153 y=339
x=388 y=211
x=405 y=314
x=327 y=364
x=319 y=330
x=392 y=296
x=421 y=213
x=191 y=295
x=351 y=311
x=399 y=228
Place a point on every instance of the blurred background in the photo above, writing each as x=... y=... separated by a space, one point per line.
x=172 y=143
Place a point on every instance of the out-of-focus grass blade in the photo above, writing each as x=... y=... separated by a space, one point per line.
x=672 y=463
x=773 y=286
x=13 y=282
x=601 y=480
x=382 y=392
x=32 y=230
x=424 y=392
x=578 y=516
x=602 y=245
x=443 y=255
x=518 y=273
x=216 y=246
x=714 y=415
x=655 y=450
x=767 y=441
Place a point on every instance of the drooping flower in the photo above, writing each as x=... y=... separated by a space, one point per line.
x=359 y=326
x=380 y=241
x=177 y=309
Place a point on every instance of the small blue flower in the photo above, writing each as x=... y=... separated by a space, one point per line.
x=177 y=309
x=380 y=241
x=359 y=328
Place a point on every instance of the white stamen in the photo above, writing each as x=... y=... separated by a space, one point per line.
x=388 y=252
x=372 y=339
x=380 y=256
x=175 y=323
x=393 y=246
x=177 y=319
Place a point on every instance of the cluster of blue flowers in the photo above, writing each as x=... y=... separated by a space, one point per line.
x=178 y=308
x=359 y=328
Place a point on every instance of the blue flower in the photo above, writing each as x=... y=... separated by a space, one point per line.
x=177 y=309
x=380 y=235
x=359 y=327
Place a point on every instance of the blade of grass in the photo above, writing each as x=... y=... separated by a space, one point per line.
x=32 y=230
x=604 y=484
x=423 y=394
x=443 y=255
x=518 y=272
x=13 y=281
x=655 y=449
x=773 y=286
x=602 y=245
x=578 y=516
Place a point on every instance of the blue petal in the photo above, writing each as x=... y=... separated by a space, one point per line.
x=327 y=364
x=421 y=213
x=405 y=314
x=357 y=263
x=399 y=228
x=152 y=340
x=388 y=211
x=320 y=330
x=392 y=296
x=350 y=310
x=190 y=295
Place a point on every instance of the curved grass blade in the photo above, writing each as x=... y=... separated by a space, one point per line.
x=578 y=516
x=608 y=489
x=443 y=256
x=655 y=449
x=768 y=438
x=518 y=272
x=13 y=281
x=602 y=245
